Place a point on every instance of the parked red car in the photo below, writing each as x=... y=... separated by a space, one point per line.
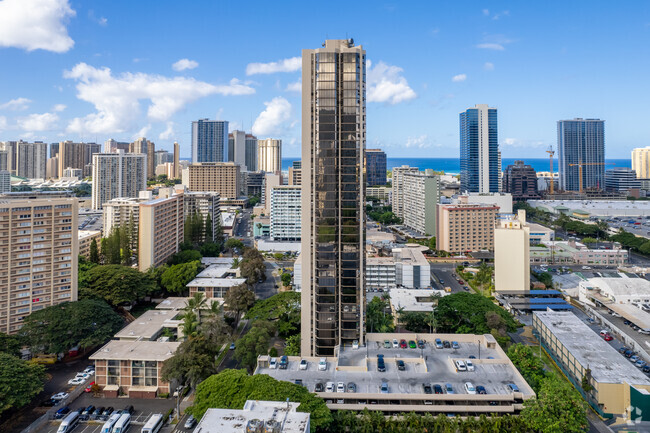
x=89 y=387
x=402 y=344
x=608 y=337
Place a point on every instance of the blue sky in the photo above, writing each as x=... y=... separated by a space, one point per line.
x=120 y=69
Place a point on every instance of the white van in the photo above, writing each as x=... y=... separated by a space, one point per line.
x=122 y=424
x=153 y=424
x=460 y=366
x=69 y=422
x=108 y=425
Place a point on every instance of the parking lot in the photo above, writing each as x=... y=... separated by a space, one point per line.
x=144 y=408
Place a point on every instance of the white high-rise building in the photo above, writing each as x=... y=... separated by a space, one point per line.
x=286 y=210
x=512 y=254
x=421 y=194
x=398 y=188
x=269 y=155
x=116 y=175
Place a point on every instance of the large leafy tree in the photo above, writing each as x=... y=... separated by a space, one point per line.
x=233 y=243
x=558 y=408
x=10 y=344
x=238 y=299
x=293 y=346
x=117 y=284
x=254 y=343
x=58 y=328
x=466 y=313
x=193 y=361
x=20 y=381
x=185 y=256
x=252 y=266
x=530 y=366
x=283 y=309
x=231 y=388
x=176 y=277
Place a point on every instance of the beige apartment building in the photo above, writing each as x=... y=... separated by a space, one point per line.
x=221 y=177
x=86 y=238
x=160 y=231
x=512 y=254
x=641 y=162
x=295 y=173
x=38 y=254
x=269 y=155
x=465 y=227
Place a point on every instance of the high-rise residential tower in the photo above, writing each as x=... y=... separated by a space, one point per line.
x=242 y=150
x=333 y=217
x=31 y=160
x=117 y=175
x=375 y=167
x=581 y=149
x=146 y=147
x=177 y=160
x=210 y=141
x=398 y=188
x=641 y=162
x=269 y=155
x=479 y=150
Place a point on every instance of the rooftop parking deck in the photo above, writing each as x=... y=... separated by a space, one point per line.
x=427 y=365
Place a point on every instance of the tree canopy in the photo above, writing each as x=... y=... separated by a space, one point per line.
x=238 y=299
x=117 y=284
x=283 y=308
x=254 y=342
x=470 y=313
x=20 y=381
x=10 y=344
x=231 y=388
x=558 y=408
x=185 y=256
x=378 y=316
x=252 y=266
x=58 y=328
x=176 y=277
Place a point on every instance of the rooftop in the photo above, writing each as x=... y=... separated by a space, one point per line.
x=414 y=299
x=215 y=271
x=606 y=364
x=224 y=261
x=179 y=303
x=88 y=233
x=136 y=350
x=493 y=369
x=148 y=326
x=216 y=282
x=236 y=421
x=619 y=285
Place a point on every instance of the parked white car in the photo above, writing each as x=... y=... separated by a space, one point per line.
x=470 y=365
x=469 y=387
x=273 y=363
x=76 y=381
x=322 y=364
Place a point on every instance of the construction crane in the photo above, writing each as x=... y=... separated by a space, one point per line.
x=551 y=152
x=582 y=164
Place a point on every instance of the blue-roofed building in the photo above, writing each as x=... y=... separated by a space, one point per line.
x=480 y=162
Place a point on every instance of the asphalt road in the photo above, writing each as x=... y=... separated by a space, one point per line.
x=444 y=272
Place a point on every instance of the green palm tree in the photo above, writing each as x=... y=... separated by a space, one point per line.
x=190 y=324
x=196 y=302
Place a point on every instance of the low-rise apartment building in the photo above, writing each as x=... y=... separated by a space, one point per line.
x=86 y=238
x=406 y=268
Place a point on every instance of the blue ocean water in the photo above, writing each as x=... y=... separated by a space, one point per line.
x=452 y=165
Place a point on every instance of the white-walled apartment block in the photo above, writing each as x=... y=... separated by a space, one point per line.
x=421 y=192
x=117 y=175
x=407 y=268
x=286 y=212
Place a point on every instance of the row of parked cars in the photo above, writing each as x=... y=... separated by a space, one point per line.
x=635 y=359
x=92 y=413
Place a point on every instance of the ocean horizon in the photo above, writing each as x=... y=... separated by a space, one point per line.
x=452 y=165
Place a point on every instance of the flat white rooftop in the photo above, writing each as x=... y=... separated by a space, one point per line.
x=215 y=271
x=269 y=412
x=149 y=325
x=599 y=207
x=414 y=299
x=179 y=303
x=606 y=364
x=136 y=350
x=216 y=282
x=224 y=261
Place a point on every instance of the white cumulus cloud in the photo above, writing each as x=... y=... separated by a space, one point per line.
x=35 y=24
x=285 y=65
x=294 y=87
x=38 y=122
x=168 y=133
x=386 y=84
x=272 y=121
x=59 y=107
x=420 y=142
x=142 y=132
x=184 y=64
x=117 y=98
x=17 y=104
x=459 y=78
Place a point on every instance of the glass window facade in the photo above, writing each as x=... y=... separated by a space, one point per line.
x=479 y=151
x=581 y=142
x=210 y=141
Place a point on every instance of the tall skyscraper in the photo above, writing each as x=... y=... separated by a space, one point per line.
x=479 y=150
x=251 y=152
x=641 y=162
x=333 y=213
x=76 y=155
x=375 y=167
x=581 y=142
x=31 y=160
x=269 y=155
x=177 y=160
x=210 y=141
x=117 y=175
x=146 y=147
